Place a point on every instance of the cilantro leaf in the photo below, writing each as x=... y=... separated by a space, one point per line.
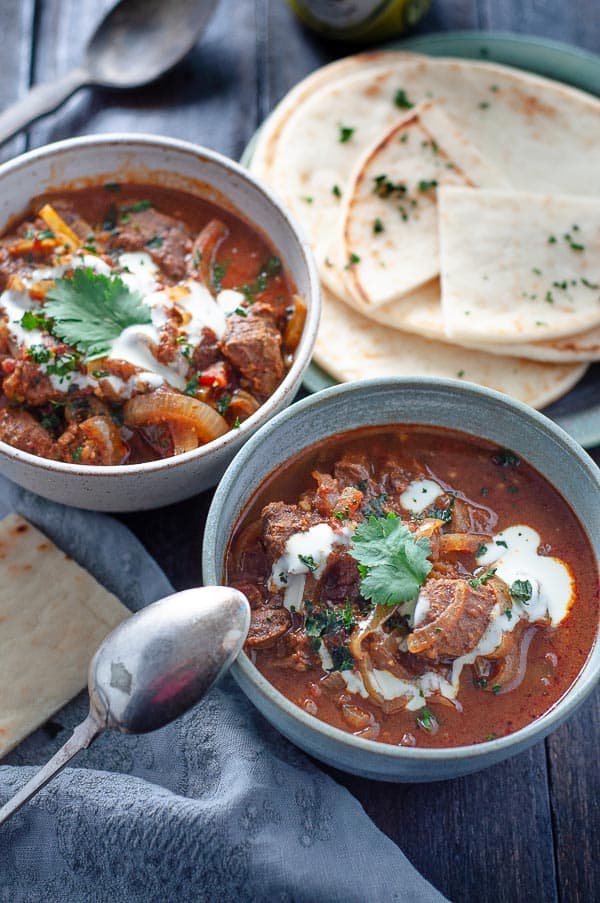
x=90 y=310
x=521 y=591
x=392 y=563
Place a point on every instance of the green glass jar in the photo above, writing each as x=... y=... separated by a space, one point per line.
x=360 y=21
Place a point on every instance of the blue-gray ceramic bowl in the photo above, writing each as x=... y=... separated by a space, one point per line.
x=445 y=403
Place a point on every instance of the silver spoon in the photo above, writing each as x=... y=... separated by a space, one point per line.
x=151 y=669
x=135 y=42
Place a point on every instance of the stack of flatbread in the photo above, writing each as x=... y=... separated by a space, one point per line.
x=454 y=211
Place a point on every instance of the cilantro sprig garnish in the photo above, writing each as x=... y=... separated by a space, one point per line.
x=392 y=562
x=89 y=311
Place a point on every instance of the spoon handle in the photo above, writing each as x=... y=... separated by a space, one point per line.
x=81 y=738
x=40 y=100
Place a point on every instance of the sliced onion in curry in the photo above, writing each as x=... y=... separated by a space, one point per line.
x=169 y=407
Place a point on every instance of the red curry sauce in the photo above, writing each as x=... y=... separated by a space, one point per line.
x=483 y=491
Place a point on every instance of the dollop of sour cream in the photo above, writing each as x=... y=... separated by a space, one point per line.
x=305 y=553
x=514 y=554
x=420 y=495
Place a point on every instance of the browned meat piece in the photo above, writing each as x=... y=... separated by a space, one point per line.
x=457 y=617
x=340 y=578
x=74 y=220
x=351 y=469
x=279 y=522
x=163 y=237
x=8 y=265
x=206 y=351
x=267 y=625
x=21 y=430
x=79 y=409
x=251 y=592
x=29 y=385
x=168 y=350
x=93 y=441
x=253 y=345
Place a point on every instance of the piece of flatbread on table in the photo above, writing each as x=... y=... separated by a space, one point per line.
x=350 y=346
x=420 y=312
x=518 y=266
x=389 y=221
x=53 y=616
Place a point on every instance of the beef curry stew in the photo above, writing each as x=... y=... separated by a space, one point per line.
x=415 y=586
x=136 y=323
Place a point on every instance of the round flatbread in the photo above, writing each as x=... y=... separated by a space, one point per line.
x=350 y=346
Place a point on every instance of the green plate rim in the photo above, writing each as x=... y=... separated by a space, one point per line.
x=541 y=56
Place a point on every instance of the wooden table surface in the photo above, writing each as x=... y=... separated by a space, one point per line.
x=525 y=830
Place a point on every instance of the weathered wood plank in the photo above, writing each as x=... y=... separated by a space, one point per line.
x=17 y=26
x=575 y=803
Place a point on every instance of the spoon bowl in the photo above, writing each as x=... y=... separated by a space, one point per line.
x=139 y=40
x=157 y=664
x=151 y=669
x=136 y=42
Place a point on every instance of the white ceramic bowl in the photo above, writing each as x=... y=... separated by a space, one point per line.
x=446 y=403
x=150 y=159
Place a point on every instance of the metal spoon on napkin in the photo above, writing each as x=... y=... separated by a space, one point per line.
x=151 y=669
x=135 y=42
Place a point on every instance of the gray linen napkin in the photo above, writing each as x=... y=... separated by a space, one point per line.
x=216 y=807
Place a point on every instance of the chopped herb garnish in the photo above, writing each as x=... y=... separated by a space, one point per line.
x=378 y=226
x=309 y=562
x=307 y=198
x=191 y=387
x=223 y=404
x=384 y=187
x=551 y=239
x=38 y=353
x=241 y=312
x=521 y=591
x=391 y=562
x=155 y=242
x=491 y=736
x=481 y=550
x=45 y=234
x=508 y=613
x=236 y=423
x=346 y=133
x=29 y=321
x=342 y=659
x=137 y=206
x=426 y=719
x=484 y=105
x=484 y=491
x=506 y=458
x=112 y=186
x=427 y=184
x=476 y=582
x=496 y=688
x=337 y=191
x=218 y=271
x=500 y=542
x=537 y=271
x=89 y=310
x=460 y=374
x=592 y=285
x=549 y=298
x=404 y=137
x=76 y=456
x=401 y=100
x=100 y=374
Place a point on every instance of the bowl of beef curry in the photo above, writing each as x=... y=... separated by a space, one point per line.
x=421 y=559
x=157 y=306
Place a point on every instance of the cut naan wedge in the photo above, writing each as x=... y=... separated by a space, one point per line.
x=517 y=266
x=390 y=223
x=350 y=346
x=420 y=312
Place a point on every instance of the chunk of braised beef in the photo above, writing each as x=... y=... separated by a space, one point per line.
x=457 y=617
x=267 y=625
x=206 y=351
x=9 y=265
x=28 y=384
x=21 y=430
x=279 y=522
x=253 y=345
x=340 y=578
x=251 y=592
x=352 y=470
x=162 y=236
